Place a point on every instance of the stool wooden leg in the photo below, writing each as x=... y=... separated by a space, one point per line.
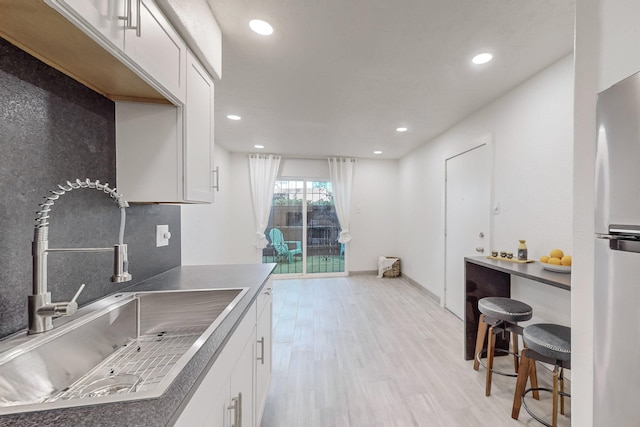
x=554 y=416
x=491 y=345
x=562 y=391
x=514 y=338
x=480 y=337
x=533 y=375
x=521 y=383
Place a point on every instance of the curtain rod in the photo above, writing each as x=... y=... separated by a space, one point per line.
x=285 y=157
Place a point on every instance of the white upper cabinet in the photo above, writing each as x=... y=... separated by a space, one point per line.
x=196 y=24
x=137 y=33
x=103 y=16
x=156 y=48
x=198 y=134
x=164 y=153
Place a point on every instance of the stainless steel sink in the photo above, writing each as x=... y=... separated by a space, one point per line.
x=125 y=347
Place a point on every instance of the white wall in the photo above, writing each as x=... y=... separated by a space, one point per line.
x=204 y=234
x=586 y=78
x=224 y=231
x=531 y=130
x=373 y=224
x=375 y=213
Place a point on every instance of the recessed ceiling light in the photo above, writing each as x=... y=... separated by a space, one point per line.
x=233 y=117
x=261 y=27
x=377 y=152
x=401 y=129
x=258 y=146
x=482 y=58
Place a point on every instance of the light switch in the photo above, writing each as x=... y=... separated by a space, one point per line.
x=162 y=235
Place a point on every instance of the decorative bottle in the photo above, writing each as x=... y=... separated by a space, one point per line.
x=522 y=251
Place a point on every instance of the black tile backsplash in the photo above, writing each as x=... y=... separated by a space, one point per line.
x=53 y=129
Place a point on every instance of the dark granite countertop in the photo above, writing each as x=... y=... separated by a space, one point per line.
x=164 y=410
x=531 y=271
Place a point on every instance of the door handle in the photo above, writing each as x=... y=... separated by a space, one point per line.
x=480 y=249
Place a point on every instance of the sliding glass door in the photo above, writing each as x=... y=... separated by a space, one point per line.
x=303 y=230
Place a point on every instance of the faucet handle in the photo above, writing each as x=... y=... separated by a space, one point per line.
x=75 y=297
x=67 y=309
x=58 y=309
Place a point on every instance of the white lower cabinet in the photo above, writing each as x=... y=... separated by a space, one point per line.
x=220 y=414
x=263 y=350
x=242 y=399
x=233 y=391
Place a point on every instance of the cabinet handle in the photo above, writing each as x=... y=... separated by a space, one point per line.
x=261 y=358
x=127 y=16
x=138 y=21
x=236 y=405
x=128 y=24
x=216 y=178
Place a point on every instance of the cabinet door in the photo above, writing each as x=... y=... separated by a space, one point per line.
x=157 y=49
x=263 y=351
x=148 y=152
x=211 y=403
x=242 y=382
x=198 y=139
x=99 y=16
x=220 y=415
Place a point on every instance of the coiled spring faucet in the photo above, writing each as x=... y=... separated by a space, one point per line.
x=41 y=309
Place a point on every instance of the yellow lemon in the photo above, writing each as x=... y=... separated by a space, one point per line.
x=554 y=261
x=556 y=253
x=544 y=259
x=566 y=260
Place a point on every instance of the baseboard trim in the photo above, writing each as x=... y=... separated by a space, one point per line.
x=421 y=288
x=408 y=279
x=363 y=273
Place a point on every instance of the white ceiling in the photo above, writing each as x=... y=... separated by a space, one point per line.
x=338 y=76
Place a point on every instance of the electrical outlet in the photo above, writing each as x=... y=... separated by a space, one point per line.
x=162 y=235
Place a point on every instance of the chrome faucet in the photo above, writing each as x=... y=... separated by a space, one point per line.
x=41 y=309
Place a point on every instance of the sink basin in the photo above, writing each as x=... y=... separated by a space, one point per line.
x=125 y=347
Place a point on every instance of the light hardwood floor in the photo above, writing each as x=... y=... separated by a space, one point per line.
x=363 y=351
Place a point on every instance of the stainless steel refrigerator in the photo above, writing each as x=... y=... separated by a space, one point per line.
x=617 y=257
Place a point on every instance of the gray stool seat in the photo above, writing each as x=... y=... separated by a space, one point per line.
x=507 y=309
x=499 y=315
x=549 y=340
x=549 y=343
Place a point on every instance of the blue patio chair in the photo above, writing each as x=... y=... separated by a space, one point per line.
x=282 y=247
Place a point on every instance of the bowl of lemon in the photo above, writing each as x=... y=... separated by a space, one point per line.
x=556 y=261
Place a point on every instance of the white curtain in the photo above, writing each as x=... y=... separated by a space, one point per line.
x=342 y=172
x=263 y=170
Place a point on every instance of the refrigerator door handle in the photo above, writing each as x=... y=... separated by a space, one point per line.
x=625 y=238
x=617 y=243
x=630 y=232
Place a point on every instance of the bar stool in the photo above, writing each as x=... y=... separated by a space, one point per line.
x=547 y=343
x=499 y=314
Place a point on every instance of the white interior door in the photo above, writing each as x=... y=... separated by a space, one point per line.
x=468 y=221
